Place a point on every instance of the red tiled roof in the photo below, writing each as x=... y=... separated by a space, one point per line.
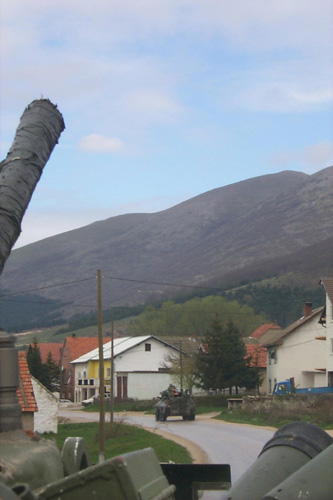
x=25 y=392
x=258 y=355
x=256 y=351
x=81 y=345
x=259 y=332
x=53 y=348
x=279 y=337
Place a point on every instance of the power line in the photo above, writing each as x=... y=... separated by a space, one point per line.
x=46 y=287
x=182 y=285
x=48 y=302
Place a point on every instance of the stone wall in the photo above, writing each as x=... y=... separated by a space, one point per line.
x=288 y=404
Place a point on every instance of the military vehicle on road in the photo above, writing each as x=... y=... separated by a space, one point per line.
x=175 y=403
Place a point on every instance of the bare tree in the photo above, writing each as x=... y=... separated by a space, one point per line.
x=38 y=132
x=186 y=372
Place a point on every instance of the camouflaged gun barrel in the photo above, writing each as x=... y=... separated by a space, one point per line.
x=284 y=464
x=38 y=132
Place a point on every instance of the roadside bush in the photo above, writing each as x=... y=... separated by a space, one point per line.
x=315 y=409
x=213 y=401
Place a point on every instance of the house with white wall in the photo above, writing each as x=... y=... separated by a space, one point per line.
x=46 y=419
x=139 y=367
x=328 y=322
x=73 y=347
x=298 y=351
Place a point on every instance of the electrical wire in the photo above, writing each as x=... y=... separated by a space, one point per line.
x=182 y=285
x=46 y=287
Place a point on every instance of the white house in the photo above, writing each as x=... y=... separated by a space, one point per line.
x=298 y=351
x=140 y=368
x=46 y=419
x=328 y=322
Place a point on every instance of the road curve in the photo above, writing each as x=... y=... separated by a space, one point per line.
x=220 y=442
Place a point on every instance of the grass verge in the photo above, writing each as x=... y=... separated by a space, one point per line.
x=320 y=414
x=273 y=419
x=122 y=438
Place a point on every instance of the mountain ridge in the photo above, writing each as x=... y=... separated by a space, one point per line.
x=260 y=226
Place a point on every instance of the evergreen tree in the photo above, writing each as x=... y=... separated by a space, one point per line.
x=46 y=373
x=222 y=364
x=52 y=373
x=35 y=363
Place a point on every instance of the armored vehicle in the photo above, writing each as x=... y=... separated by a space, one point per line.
x=174 y=403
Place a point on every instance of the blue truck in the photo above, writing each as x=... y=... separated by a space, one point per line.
x=288 y=387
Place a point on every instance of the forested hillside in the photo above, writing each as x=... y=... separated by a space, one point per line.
x=271 y=226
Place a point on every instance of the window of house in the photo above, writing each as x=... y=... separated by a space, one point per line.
x=108 y=372
x=147 y=347
x=272 y=357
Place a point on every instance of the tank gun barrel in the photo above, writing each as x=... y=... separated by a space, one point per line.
x=38 y=132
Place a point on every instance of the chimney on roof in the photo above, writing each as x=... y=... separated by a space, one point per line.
x=73 y=335
x=307 y=308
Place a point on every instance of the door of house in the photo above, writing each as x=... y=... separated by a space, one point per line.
x=122 y=387
x=330 y=379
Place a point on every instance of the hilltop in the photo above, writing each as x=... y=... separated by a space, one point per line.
x=273 y=225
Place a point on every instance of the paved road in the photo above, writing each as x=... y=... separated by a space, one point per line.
x=237 y=445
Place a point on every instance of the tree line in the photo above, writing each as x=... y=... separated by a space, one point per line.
x=47 y=373
x=281 y=303
x=221 y=362
x=194 y=317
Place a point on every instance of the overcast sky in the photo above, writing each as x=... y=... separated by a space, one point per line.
x=165 y=100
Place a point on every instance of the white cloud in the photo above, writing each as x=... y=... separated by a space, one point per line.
x=101 y=144
x=313 y=158
x=320 y=154
x=70 y=51
x=153 y=104
x=315 y=97
x=249 y=24
x=283 y=85
x=254 y=25
x=282 y=97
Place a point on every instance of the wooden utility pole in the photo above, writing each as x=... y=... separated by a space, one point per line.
x=181 y=365
x=101 y=370
x=112 y=375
